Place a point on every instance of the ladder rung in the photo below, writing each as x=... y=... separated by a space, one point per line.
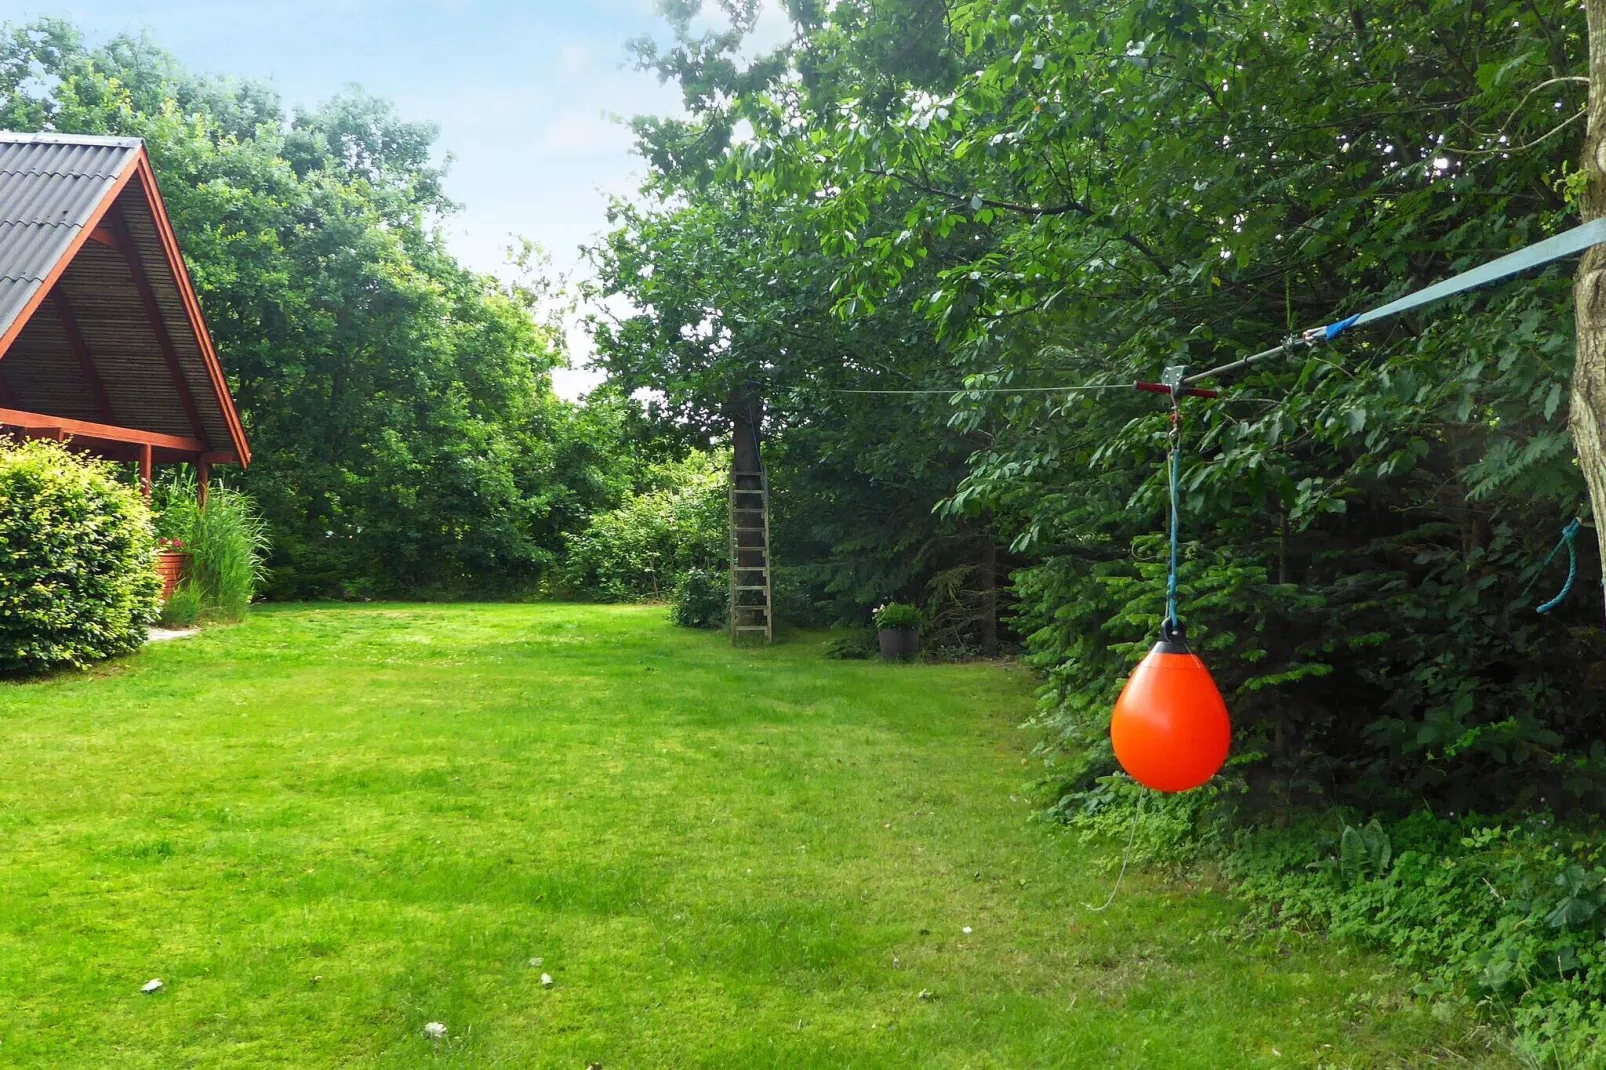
x=746 y=490
x=760 y=587
x=750 y=568
x=752 y=628
x=747 y=529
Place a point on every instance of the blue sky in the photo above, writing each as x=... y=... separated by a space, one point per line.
x=522 y=91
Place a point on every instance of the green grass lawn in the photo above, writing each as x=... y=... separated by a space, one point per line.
x=329 y=826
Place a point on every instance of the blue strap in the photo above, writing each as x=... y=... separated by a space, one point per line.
x=1333 y=330
x=1569 y=539
x=1561 y=245
x=1564 y=244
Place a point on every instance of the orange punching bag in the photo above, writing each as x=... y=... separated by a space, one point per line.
x=1170 y=727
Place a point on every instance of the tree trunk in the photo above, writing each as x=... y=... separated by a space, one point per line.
x=1588 y=402
x=747 y=414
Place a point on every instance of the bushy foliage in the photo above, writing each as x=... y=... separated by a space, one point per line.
x=78 y=580
x=1087 y=196
x=702 y=599
x=799 y=594
x=1510 y=914
x=896 y=615
x=646 y=546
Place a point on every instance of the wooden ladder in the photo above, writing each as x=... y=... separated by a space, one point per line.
x=751 y=606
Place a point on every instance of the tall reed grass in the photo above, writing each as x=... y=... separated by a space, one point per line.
x=229 y=543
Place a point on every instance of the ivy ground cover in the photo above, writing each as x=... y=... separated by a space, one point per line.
x=328 y=827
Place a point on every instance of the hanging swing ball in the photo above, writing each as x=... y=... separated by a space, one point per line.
x=1170 y=728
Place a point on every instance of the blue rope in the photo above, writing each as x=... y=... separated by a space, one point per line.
x=1176 y=465
x=1569 y=539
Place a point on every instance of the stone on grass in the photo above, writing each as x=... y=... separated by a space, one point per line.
x=151 y=986
x=435 y=1030
x=546 y=980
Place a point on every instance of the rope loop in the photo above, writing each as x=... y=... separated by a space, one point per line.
x=1569 y=539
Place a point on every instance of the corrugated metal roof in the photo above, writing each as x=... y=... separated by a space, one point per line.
x=50 y=185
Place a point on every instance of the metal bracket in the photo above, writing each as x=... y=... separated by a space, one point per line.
x=1173 y=376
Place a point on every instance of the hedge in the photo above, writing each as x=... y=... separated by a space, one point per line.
x=77 y=549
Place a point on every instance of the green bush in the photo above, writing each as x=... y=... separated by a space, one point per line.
x=701 y=600
x=646 y=546
x=1508 y=914
x=897 y=615
x=857 y=645
x=77 y=560
x=228 y=543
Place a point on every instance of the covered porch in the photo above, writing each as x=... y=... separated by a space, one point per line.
x=102 y=342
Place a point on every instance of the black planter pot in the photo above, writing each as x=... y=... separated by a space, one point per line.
x=898 y=643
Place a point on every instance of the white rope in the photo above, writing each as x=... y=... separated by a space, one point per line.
x=1132 y=838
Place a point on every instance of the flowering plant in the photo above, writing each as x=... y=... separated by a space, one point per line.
x=170 y=545
x=896 y=615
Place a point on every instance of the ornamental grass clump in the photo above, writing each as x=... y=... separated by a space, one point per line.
x=77 y=551
x=228 y=543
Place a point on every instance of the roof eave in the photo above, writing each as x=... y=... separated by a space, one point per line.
x=192 y=306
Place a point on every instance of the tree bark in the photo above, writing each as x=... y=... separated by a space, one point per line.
x=747 y=417
x=1587 y=412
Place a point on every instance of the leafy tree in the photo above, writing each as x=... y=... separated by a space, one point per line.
x=1087 y=195
x=400 y=407
x=733 y=307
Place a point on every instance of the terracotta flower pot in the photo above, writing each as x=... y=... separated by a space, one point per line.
x=172 y=566
x=898 y=643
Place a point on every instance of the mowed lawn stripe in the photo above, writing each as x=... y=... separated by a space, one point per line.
x=331 y=825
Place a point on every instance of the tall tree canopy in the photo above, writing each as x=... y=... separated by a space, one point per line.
x=1047 y=195
x=400 y=406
